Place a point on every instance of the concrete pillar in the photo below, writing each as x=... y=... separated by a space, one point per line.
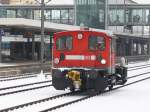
x=33 y=47
x=0 y=48
x=51 y=46
x=24 y=50
x=142 y=49
x=149 y=49
x=106 y=14
x=124 y=48
x=132 y=48
x=137 y=50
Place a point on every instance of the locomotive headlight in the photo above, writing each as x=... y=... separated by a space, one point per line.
x=56 y=60
x=103 y=61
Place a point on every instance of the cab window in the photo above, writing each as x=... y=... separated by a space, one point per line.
x=96 y=42
x=64 y=43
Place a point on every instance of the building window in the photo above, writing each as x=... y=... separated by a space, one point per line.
x=11 y=13
x=64 y=16
x=24 y=13
x=137 y=16
x=37 y=14
x=116 y=16
x=56 y=16
x=71 y=16
x=3 y=13
x=48 y=15
x=101 y=16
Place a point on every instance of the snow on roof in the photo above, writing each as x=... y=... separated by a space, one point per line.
x=61 y=2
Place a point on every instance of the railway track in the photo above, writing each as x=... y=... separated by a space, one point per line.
x=33 y=75
x=23 y=76
x=39 y=87
x=36 y=83
x=24 y=90
x=90 y=96
x=16 y=78
x=35 y=102
x=138 y=75
x=30 y=75
x=23 y=85
x=139 y=67
x=17 y=75
x=69 y=94
x=20 y=75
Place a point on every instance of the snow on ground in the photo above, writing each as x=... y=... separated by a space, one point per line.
x=138 y=71
x=25 y=87
x=28 y=96
x=133 y=98
x=132 y=64
x=23 y=81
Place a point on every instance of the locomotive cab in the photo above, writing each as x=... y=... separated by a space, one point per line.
x=84 y=60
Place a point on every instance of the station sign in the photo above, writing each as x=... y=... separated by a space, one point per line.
x=28 y=34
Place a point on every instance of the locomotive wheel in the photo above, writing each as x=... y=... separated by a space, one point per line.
x=110 y=87
x=101 y=83
x=72 y=89
x=71 y=86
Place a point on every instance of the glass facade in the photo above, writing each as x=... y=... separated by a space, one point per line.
x=56 y=15
x=116 y=17
x=11 y=13
x=119 y=16
x=91 y=13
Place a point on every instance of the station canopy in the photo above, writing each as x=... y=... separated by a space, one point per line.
x=35 y=25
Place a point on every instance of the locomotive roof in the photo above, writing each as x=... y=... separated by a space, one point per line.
x=109 y=33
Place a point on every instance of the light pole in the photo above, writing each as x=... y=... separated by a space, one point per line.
x=42 y=4
x=106 y=14
x=0 y=46
x=124 y=16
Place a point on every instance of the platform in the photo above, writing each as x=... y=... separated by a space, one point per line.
x=19 y=68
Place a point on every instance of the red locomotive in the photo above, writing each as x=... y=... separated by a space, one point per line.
x=84 y=60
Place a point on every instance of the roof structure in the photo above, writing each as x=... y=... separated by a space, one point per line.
x=36 y=25
x=53 y=27
x=71 y=2
x=61 y=2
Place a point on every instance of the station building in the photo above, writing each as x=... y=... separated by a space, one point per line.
x=125 y=17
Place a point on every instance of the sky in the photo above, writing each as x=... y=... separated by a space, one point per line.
x=71 y=1
x=61 y=2
x=142 y=1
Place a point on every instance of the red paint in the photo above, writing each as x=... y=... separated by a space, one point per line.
x=80 y=47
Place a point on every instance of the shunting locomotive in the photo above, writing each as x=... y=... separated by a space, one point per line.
x=85 y=60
